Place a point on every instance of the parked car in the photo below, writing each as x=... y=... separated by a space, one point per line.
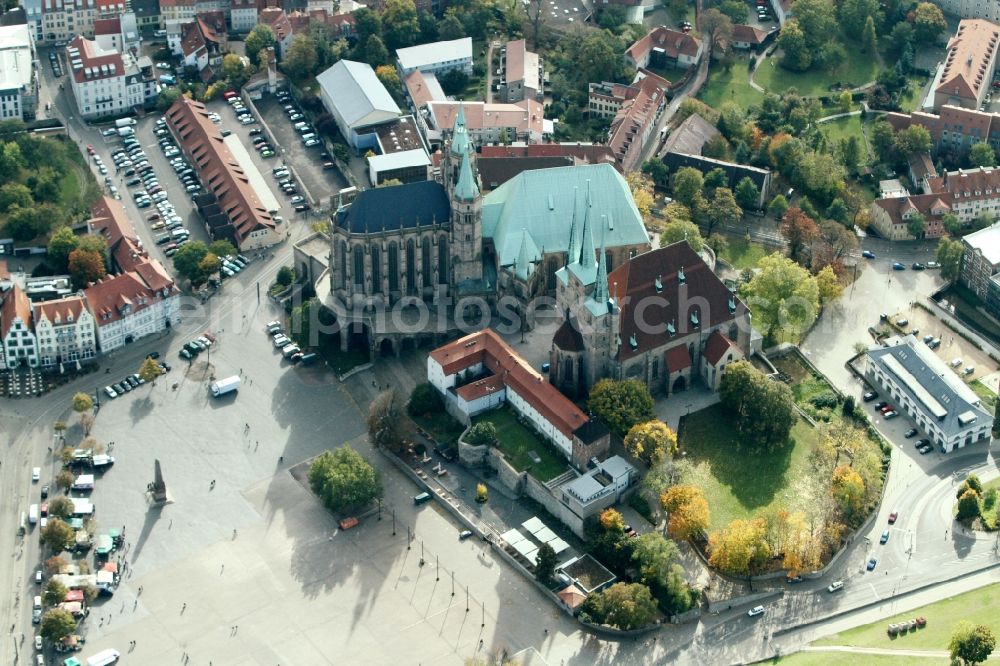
x=891 y=414
x=896 y=266
x=872 y=563
x=912 y=432
x=880 y=404
x=884 y=538
x=869 y=396
x=755 y=611
x=917 y=266
x=111 y=393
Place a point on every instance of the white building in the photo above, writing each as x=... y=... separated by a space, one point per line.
x=106 y=83
x=243 y=15
x=599 y=488
x=437 y=57
x=912 y=378
x=126 y=307
x=64 y=330
x=357 y=100
x=18 y=79
x=63 y=18
x=17 y=340
x=971 y=9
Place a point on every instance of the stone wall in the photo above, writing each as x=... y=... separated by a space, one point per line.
x=507 y=475
x=472 y=456
x=537 y=491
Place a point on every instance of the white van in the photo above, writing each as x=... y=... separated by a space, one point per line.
x=104 y=658
x=33 y=514
x=38 y=603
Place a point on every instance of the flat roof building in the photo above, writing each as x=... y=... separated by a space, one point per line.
x=18 y=79
x=437 y=57
x=357 y=100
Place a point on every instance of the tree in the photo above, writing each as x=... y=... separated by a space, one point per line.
x=400 y=26
x=678 y=230
x=850 y=152
x=798 y=57
x=652 y=441
x=854 y=14
x=642 y=191
x=829 y=286
x=916 y=225
x=949 y=255
x=235 y=70
x=62 y=243
x=746 y=194
x=15 y=194
x=968 y=505
x=56 y=564
x=628 y=605
x=739 y=548
x=722 y=210
x=971 y=644
x=57 y=624
x=62 y=507
x=848 y=488
x=716 y=28
x=425 y=400
x=782 y=296
x=300 y=59
x=837 y=210
x=343 y=479
x=800 y=231
x=980 y=155
x=656 y=170
x=285 y=276
x=545 y=563
x=687 y=184
x=800 y=547
x=736 y=11
x=366 y=24
x=221 y=248
x=149 y=371
x=778 y=207
x=54 y=593
x=187 y=261
x=482 y=433
x=883 y=141
x=209 y=264
x=389 y=77
x=612 y=521
x=718 y=242
x=611 y=17
x=57 y=535
x=621 y=404
x=715 y=179
x=817 y=20
x=654 y=556
x=82 y=402
x=687 y=510
x=450 y=27
x=869 y=42
x=913 y=139
x=928 y=22
x=261 y=37
x=386 y=426
x=764 y=410
x=166 y=98
x=64 y=480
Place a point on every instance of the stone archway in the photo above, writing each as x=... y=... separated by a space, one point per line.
x=679 y=384
x=385 y=348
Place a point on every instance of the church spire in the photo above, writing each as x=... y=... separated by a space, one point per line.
x=587 y=253
x=460 y=135
x=601 y=284
x=573 y=254
x=466 y=189
x=523 y=264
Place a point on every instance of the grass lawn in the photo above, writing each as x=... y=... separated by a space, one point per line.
x=732 y=85
x=980 y=606
x=740 y=485
x=516 y=441
x=988 y=397
x=842 y=128
x=848 y=659
x=858 y=69
x=741 y=253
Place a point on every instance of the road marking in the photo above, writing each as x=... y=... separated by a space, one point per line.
x=874 y=591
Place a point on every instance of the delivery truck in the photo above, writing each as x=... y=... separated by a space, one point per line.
x=125 y=122
x=84 y=482
x=224 y=386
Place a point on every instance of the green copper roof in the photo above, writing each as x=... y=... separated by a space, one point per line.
x=523 y=267
x=541 y=202
x=466 y=189
x=460 y=136
x=598 y=303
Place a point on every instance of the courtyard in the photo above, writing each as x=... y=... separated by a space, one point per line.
x=521 y=448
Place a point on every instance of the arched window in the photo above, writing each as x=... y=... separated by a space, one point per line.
x=359 y=268
x=376 y=269
x=411 y=267
x=443 y=271
x=425 y=262
x=393 y=268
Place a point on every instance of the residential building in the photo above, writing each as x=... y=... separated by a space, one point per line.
x=919 y=384
x=971 y=9
x=18 y=78
x=107 y=83
x=953 y=129
x=437 y=57
x=920 y=169
x=402 y=154
x=980 y=259
x=147 y=13
x=523 y=76
x=34 y=20
x=63 y=18
x=662 y=317
x=690 y=137
x=203 y=41
x=892 y=216
x=65 y=331
x=637 y=119
x=177 y=10
x=358 y=102
x=748 y=37
x=663 y=47
x=235 y=207
x=243 y=15
x=17 y=339
x=276 y=18
x=125 y=307
x=340 y=24
x=605 y=99
x=421 y=89
x=488 y=122
x=965 y=76
x=734 y=172
x=974 y=192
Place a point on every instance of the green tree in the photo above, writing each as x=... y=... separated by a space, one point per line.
x=285 y=276
x=913 y=139
x=621 y=404
x=916 y=225
x=15 y=194
x=869 y=42
x=57 y=535
x=366 y=24
x=883 y=141
x=400 y=26
x=764 y=410
x=722 y=210
x=654 y=555
x=429 y=28
x=716 y=28
x=817 y=20
x=342 y=479
x=425 y=400
x=149 y=371
x=11 y=161
x=928 y=23
x=652 y=441
x=187 y=261
x=261 y=37
x=628 y=605
x=968 y=505
x=838 y=211
x=221 y=248
x=300 y=60
x=951 y=223
x=545 y=563
x=166 y=98
x=375 y=52
x=715 y=179
x=798 y=56
x=687 y=184
x=54 y=593
x=778 y=206
x=307 y=322
x=736 y=11
x=850 y=151
x=656 y=170
x=828 y=285
x=971 y=644
x=62 y=243
x=611 y=17
x=234 y=69
x=387 y=427
x=482 y=434
x=678 y=230
x=854 y=14
x=747 y=194
x=949 y=255
x=980 y=155
x=783 y=297
x=57 y=624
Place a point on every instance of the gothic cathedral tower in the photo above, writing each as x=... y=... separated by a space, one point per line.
x=460 y=181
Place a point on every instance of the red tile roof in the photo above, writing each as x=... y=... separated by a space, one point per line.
x=925 y=204
x=673 y=43
x=716 y=347
x=108 y=219
x=107 y=26
x=60 y=311
x=478 y=389
x=748 y=34
x=278 y=20
x=488 y=348
x=105 y=66
x=15 y=305
x=109 y=296
x=970 y=53
x=677 y=358
x=584 y=152
x=647 y=311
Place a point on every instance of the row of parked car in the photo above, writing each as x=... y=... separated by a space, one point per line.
x=243 y=114
x=924 y=446
x=134 y=381
x=289 y=349
x=197 y=346
x=287 y=184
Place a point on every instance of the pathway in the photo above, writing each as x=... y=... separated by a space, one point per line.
x=883 y=651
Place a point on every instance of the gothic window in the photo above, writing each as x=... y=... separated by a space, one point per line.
x=342 y=263
x=393 y=268
x=411 y=267
x=425 y=261
x=359 y=268
x=376 y=269
x=443 y=260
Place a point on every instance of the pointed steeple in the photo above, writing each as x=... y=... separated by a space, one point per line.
x=601 y=284
x=573 y=254
x=522 y=266
x=587 y=252
x=466 y=188
x=460 y=136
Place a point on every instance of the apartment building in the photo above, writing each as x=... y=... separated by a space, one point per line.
x=437 y=57
x=18 y=78
x=523 y=76
x=637 y=118
x=17 y=339
x=65 y=331
x=965 y=76
x=107 y=83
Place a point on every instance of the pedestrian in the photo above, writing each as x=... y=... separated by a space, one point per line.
x=281 y=459
x=184 y=607
x=234 y=534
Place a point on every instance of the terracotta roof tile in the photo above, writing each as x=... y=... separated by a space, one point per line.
x=15 y=305
x=716 y=346
x=677 y=358
x=60 y=311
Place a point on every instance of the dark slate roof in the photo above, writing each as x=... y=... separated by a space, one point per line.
x=734 y=172
x=568 y=338
x=146 y=8
x=495 y=171
x=401 y=206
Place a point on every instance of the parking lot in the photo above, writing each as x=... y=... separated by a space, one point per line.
x=319 y=184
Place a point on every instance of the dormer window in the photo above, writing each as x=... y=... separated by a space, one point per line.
x=680 y=276
x=694 y=318
x=671 y=329
x=632 y=342
x=732 y=305
x=658 y=284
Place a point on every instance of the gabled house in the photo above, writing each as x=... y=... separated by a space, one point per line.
x=18 y=346
x=663 y=47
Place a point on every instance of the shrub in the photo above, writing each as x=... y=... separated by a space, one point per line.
x=482 y=433
x=482 y=494
x=641 y=506
x=990 y=498
x=824 y=400
x=424 y=400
